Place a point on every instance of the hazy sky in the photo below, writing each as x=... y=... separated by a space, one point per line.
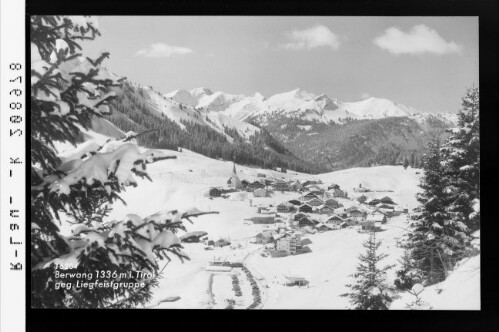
x=423 y=62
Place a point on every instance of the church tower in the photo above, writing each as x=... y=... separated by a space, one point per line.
x=235 y=183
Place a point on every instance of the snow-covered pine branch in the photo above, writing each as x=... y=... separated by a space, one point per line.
x=67 y=90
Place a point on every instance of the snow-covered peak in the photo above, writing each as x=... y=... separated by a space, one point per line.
x=375 y=108
x=217 y=101
x=183 y=97
x=258 y=96
x=244 y=107
x=422 y=117
x=200 y=92
x=290 y=100
x=320 y=104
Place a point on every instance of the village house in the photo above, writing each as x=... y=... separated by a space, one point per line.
x=222 y=243
x=334 y=219
x=305 y=208
x=333 y=186
x=339 y=193
x=387 y=200
x=294 y=202
x=335 y=222
x=261 y=193
x=376 y=217
x=341 y=212
x=260 y=175
x=268 y=182
x=308 y=182
x=285 y=207
x=263 y=219
x=215 y=192
x=353 y=221
x=309 y=196
x=315 y=202
x=397 y=210
x=192 y=237
x=265 y=237
x=338 y=224
x=281 y=186
x=296 y=185
x=299 y=215
x=305 y=221
x=332 y=203
x=318 y=193
x=368 y=225
x=309 y=229
x=355 y=213
x=372 y=201
x=313 y=187
x=265 y=209
x=286 y=243
x=324 y=209
x=322 y=227
x=361 y=189
x=256 y=185
x=381 y=205
x=281 y=169
x=387 y=212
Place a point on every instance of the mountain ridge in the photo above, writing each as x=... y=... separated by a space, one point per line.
x=298 y=103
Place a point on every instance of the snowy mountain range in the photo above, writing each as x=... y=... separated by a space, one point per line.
x=297 y=103
x=295 y=129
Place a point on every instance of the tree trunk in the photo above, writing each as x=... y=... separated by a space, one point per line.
x=432 y=269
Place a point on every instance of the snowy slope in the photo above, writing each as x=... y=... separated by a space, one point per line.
x=289 y=100
x=200 y=92
x=217 y=101
x=376 y=108
x=460 y=291
x=180 y=183
x=183 y=97
x=245 y=107
x=178 y=106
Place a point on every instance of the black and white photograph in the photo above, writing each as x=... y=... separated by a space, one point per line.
x=254 y=162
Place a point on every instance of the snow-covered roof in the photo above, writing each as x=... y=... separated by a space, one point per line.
x=294 y=277
x=376 y=217
x=325 y=225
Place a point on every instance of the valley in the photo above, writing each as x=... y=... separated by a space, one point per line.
x=183 y=183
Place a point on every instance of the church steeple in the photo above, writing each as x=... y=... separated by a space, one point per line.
x=235 y=183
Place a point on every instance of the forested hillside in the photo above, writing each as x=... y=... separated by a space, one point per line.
x=131 y=113
x=357 y=143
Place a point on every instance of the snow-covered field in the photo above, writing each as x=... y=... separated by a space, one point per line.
x=180 y=183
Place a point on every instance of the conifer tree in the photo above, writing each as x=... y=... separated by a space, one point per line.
x=462 y=162
x=406 y=163
x=408 y=274
x=370 y=290
x=67 y=89
x=437 y=240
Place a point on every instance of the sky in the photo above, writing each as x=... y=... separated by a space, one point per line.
x=423 y=62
